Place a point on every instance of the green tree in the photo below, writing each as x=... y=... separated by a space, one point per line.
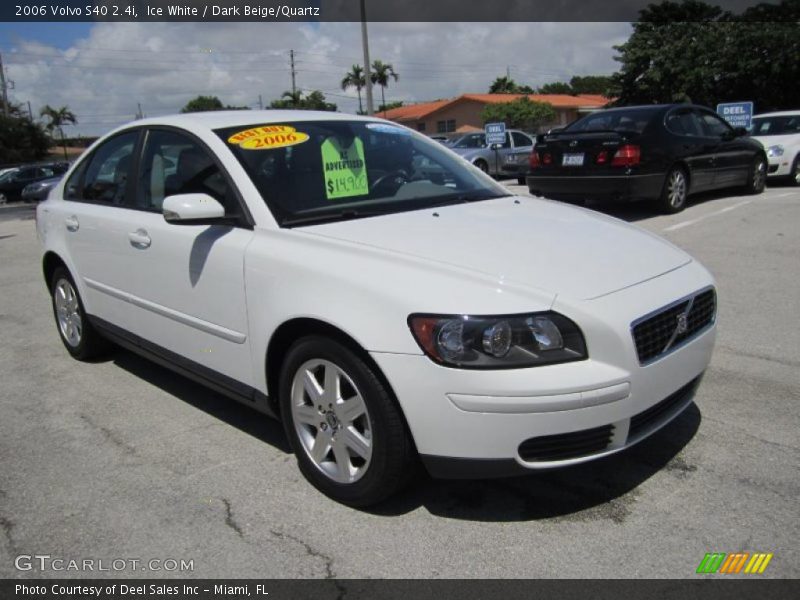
x=381 y=74
x=355 y=78
x=390 y=106
x=21 y=140
x=503 y=85
x=202 y=104
x=557 y=87
x=521 y=113
x=313 y=101
x=591 y=84
x=691 y=51
x=56 y=119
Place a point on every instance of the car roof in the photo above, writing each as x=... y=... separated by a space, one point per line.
x=780 y=113
x=220 y=119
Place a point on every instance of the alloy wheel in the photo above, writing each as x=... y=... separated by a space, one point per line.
x=331 y=420
x=759 y=175
x=676 y=189
x=68 y=313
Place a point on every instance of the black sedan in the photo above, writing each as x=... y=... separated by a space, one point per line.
x=659 y=153
x=13 y=181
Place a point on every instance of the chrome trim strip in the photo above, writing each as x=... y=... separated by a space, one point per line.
x=194 y=322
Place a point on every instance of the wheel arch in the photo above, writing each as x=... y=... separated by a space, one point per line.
x=50 y=262
x=290 y=331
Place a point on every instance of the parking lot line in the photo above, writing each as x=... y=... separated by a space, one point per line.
x=683 y=224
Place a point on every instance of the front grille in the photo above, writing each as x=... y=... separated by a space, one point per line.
x=566 y=445
x=650 y=417
x=658 y=333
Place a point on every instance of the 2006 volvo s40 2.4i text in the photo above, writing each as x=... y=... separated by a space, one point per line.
x=385 y=299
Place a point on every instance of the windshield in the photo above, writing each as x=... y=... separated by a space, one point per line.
x=785 y=125
x=322 y=171
x=7 y=175
x=614 y=120
x=471 y=140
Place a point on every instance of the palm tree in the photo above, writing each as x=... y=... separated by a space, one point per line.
x=58 y=117
x=381 y=73
x=355 y=78
x=294 y=97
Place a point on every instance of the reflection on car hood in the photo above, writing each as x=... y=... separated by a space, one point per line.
x=548 y=245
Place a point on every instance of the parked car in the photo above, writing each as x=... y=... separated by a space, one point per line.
x=36 y=192
x=381 y=297
x=13 y=181
x=779 y=132
x=660 y=153
x=492 y=159
x=442 y=139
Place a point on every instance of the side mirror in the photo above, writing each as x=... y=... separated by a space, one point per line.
x=496 y=146
x=740 y=131
x=192 y=209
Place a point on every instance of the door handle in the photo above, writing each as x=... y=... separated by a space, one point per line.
x=139 y=239
x=72 y=223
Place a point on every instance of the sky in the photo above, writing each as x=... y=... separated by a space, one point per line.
x=102 y=71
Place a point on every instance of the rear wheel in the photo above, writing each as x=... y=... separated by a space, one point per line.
x=78 y=336
x=757 y=179
x=348 y=434
x=675 y=191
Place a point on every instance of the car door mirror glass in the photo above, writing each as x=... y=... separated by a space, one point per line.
x=192 y=209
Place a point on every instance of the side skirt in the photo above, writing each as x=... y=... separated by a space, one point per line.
x=201 y=374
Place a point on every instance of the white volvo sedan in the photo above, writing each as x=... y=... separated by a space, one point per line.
x=388 y=301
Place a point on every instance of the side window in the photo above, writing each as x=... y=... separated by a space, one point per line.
x=520 y=139
x=684 y=122
x=713 y=126
x=106 y=179
x=175 y=164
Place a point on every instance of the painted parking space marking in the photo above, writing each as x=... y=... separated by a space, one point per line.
x=683 y=224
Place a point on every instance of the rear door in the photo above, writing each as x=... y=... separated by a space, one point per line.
x=93 y=219
x=693 y=146
x=187 y=281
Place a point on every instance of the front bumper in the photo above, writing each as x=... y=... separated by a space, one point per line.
x=612 y=187
x=779 y=166
x=469 y=423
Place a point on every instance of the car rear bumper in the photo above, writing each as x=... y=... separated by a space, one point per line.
x=612 y=187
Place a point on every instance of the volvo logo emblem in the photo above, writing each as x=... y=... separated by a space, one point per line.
x=683 y=324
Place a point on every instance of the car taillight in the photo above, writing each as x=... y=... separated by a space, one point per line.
x=534 y=160
x=602 y=158
x=547 y=158
x=627 y=155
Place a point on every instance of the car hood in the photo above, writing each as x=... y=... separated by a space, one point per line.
x=521 y=240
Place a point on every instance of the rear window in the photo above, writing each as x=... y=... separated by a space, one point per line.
x=614 y=120
x=318 y=171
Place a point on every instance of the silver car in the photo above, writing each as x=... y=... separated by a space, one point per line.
x=497 y=159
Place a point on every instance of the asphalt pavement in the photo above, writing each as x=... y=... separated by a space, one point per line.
x=121 y=459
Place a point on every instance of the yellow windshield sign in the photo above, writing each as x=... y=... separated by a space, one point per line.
x=345 y=169
x=268 y=137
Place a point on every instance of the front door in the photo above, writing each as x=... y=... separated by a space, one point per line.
x=187 y=281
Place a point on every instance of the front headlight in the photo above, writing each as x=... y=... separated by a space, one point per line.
x=776 y=150
x=498 y=342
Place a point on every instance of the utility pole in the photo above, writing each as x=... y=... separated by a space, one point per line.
x=3 y=84
x=139 y=114
x=365 y=43
x=294 y=88
x=508 y=72
x=30 y=112
x=260 y=103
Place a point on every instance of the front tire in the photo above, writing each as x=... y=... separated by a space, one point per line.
x=482 y=165
x=345 y=428
x=76 y=332
x=794 y=175
x=675 y=191
x=757 y=178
